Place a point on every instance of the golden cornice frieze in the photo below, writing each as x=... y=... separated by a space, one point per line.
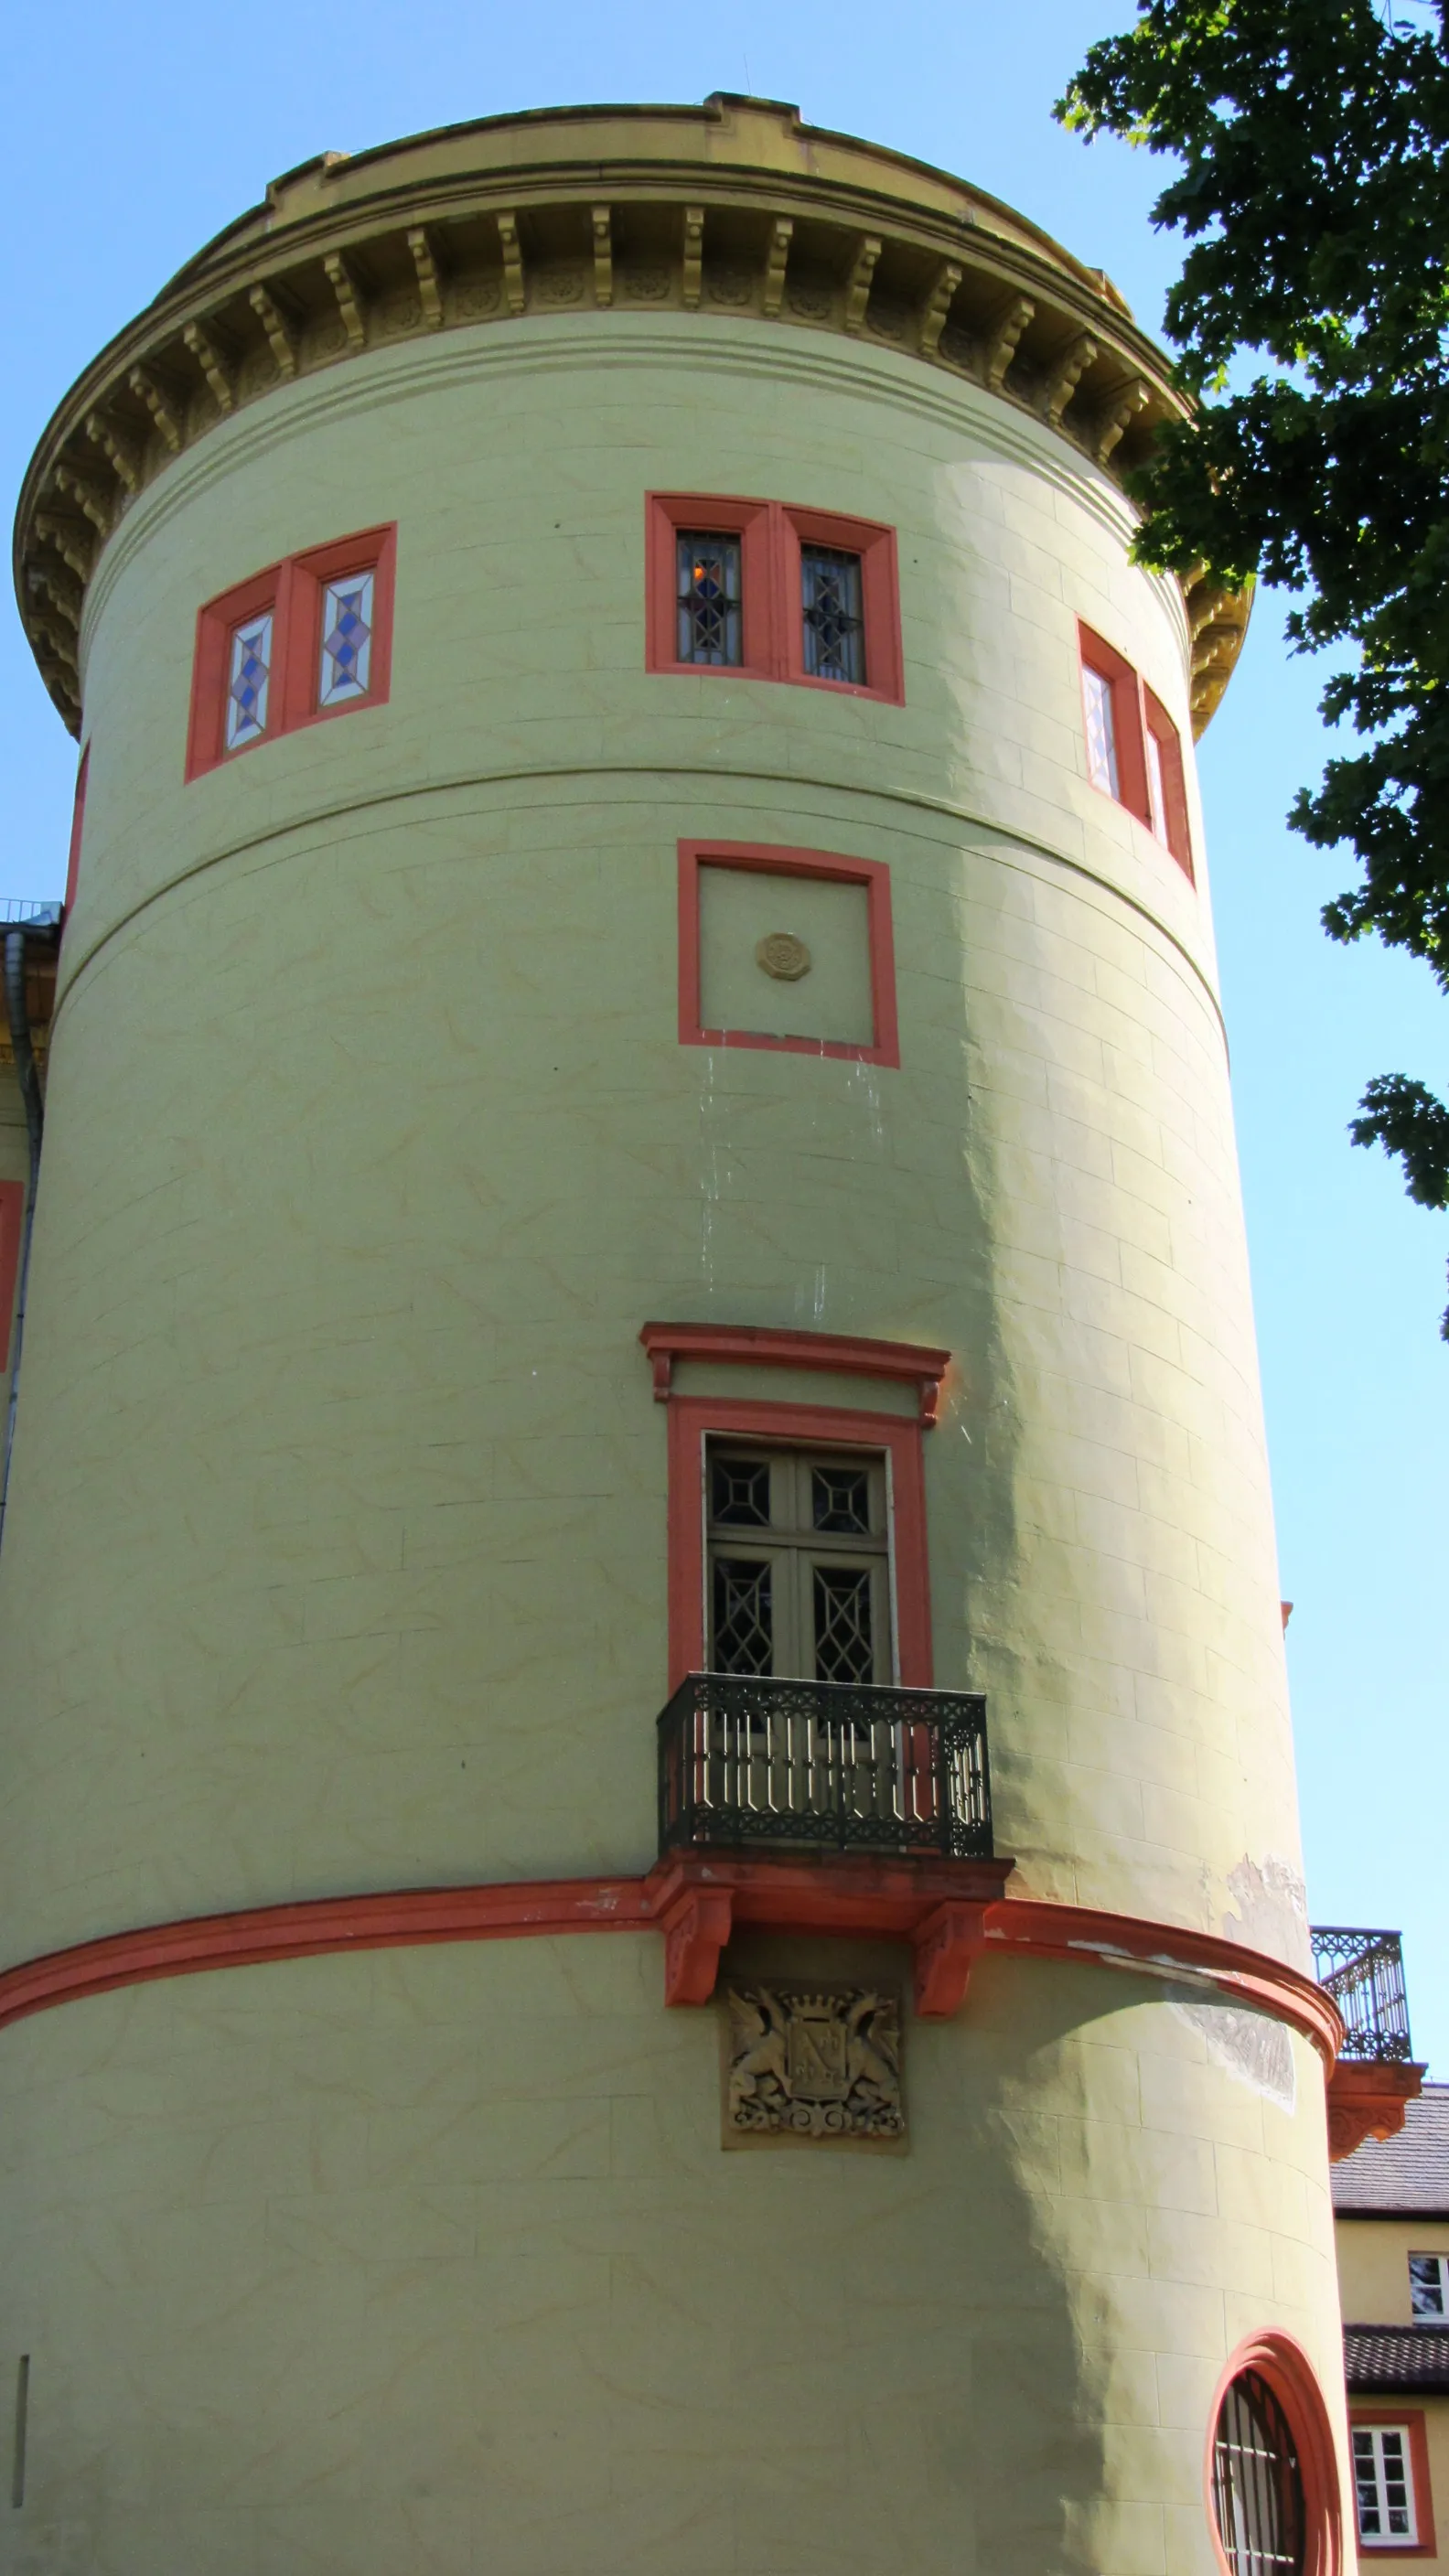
x=734 y=210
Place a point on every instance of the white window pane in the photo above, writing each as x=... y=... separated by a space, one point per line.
x=346 y=640
x=1383 y=2486
x=248 y=680
x=1426 y=2284
x=1101 y=732
x=1156 y=792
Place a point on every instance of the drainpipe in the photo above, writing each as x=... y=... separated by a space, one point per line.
x=17 y=1011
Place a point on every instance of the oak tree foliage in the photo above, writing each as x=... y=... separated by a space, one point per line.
x=1312 y=138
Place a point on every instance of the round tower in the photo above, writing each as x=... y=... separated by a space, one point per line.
x=651 y=1900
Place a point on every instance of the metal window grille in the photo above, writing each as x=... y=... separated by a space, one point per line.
x=1101 y=732
x=825 y=1766
x=710 y=599
x=249 y=680
x=1383 y=2485
x=1364 y=1973
x=1257 y=2482
x=834 y=621
x=799 y=1564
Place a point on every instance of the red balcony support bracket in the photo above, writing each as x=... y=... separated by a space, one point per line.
x=948 y=1944
x=696 y=1927
x=1368 y=2101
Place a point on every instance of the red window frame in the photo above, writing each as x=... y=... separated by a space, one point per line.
x=773 y=640
x=1281 y=2360
x=292 y=590
x=765 y=859
x=1103 y=658
x=709 y=514
x=1412 y=2419
x=695 y=1419
x=879 y=594
x=12 y=1229
x=1176 y=832
x=77 y=827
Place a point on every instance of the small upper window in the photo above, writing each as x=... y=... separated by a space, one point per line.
x=833 y=613
x=799 y=1574
x=1384 y=2486
x=711 y=601
x=249 y=684
x=1429 y=2286
x=1101 y=731
x=1166 y=785
x=346 y=640
x=1257 y=2482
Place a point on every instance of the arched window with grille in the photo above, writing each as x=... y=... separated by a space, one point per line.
x=1272 y=2476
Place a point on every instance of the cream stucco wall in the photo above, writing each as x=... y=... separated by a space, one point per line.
x=337 y=1556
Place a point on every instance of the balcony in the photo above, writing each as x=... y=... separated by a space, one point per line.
x=1364 y=1973
x=795 y=1766
x=1375 y=2078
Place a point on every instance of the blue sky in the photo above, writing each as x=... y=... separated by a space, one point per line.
x=128 y=142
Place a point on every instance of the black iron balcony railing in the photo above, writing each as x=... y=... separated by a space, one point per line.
x=826 y=1766
x=1364 y=1973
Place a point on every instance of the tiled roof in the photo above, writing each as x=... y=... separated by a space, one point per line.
x=1396 y=2358
x=1409 y=2173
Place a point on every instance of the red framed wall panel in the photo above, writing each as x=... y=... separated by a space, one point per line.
x=768 y=859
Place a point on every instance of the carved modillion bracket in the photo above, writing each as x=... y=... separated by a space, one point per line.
x=69 y=539
x=937 y=306
x=603 y=257
x=693 y=256
x=1001 y=344
x=158 y=404
x=513 y=286
x=88 y=496
x=1065 y=375
x=48 y=581
x=119 y=455
x=1116 y=418
x=696 y=1928
x=351 y=300
x=430 y=283
x=281 y=337
x=857 y=292
x=948 y=1945
x=213 y=356
x=781 y=235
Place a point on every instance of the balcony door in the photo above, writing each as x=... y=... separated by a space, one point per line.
x=798 y=1563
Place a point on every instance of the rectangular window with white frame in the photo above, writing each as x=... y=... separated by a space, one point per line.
x=1383 y=2478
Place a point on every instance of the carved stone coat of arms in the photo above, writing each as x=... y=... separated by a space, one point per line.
x=813 y=2062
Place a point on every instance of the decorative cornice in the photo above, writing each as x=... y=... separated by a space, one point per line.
x=952 y=1912
x=734 y=209
x=781 y=1346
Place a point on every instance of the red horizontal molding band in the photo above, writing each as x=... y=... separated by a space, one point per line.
x=840 y=1896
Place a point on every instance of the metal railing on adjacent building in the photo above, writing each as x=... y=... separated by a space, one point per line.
x=23 y=909
x=1364 y=1973
x=828 y=1766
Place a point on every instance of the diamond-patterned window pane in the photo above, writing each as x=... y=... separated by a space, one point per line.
x=744 y=1629
x=739 y=1492
x=346 y=640
x=711 y=617
x=1101 y=732
x=844 y=1638
x=248 y=680
x=840 y=1500
x=834 y=622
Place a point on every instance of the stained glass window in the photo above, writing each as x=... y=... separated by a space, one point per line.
x=834 y=620
x=1383 y=2485
x=711 y=617
x=1101 y=731
x=248 y=681
x=346 y=640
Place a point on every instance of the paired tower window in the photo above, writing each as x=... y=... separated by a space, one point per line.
x=1134 y=750
x=773 y=592
x=305 y=639
x=799 y=1572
